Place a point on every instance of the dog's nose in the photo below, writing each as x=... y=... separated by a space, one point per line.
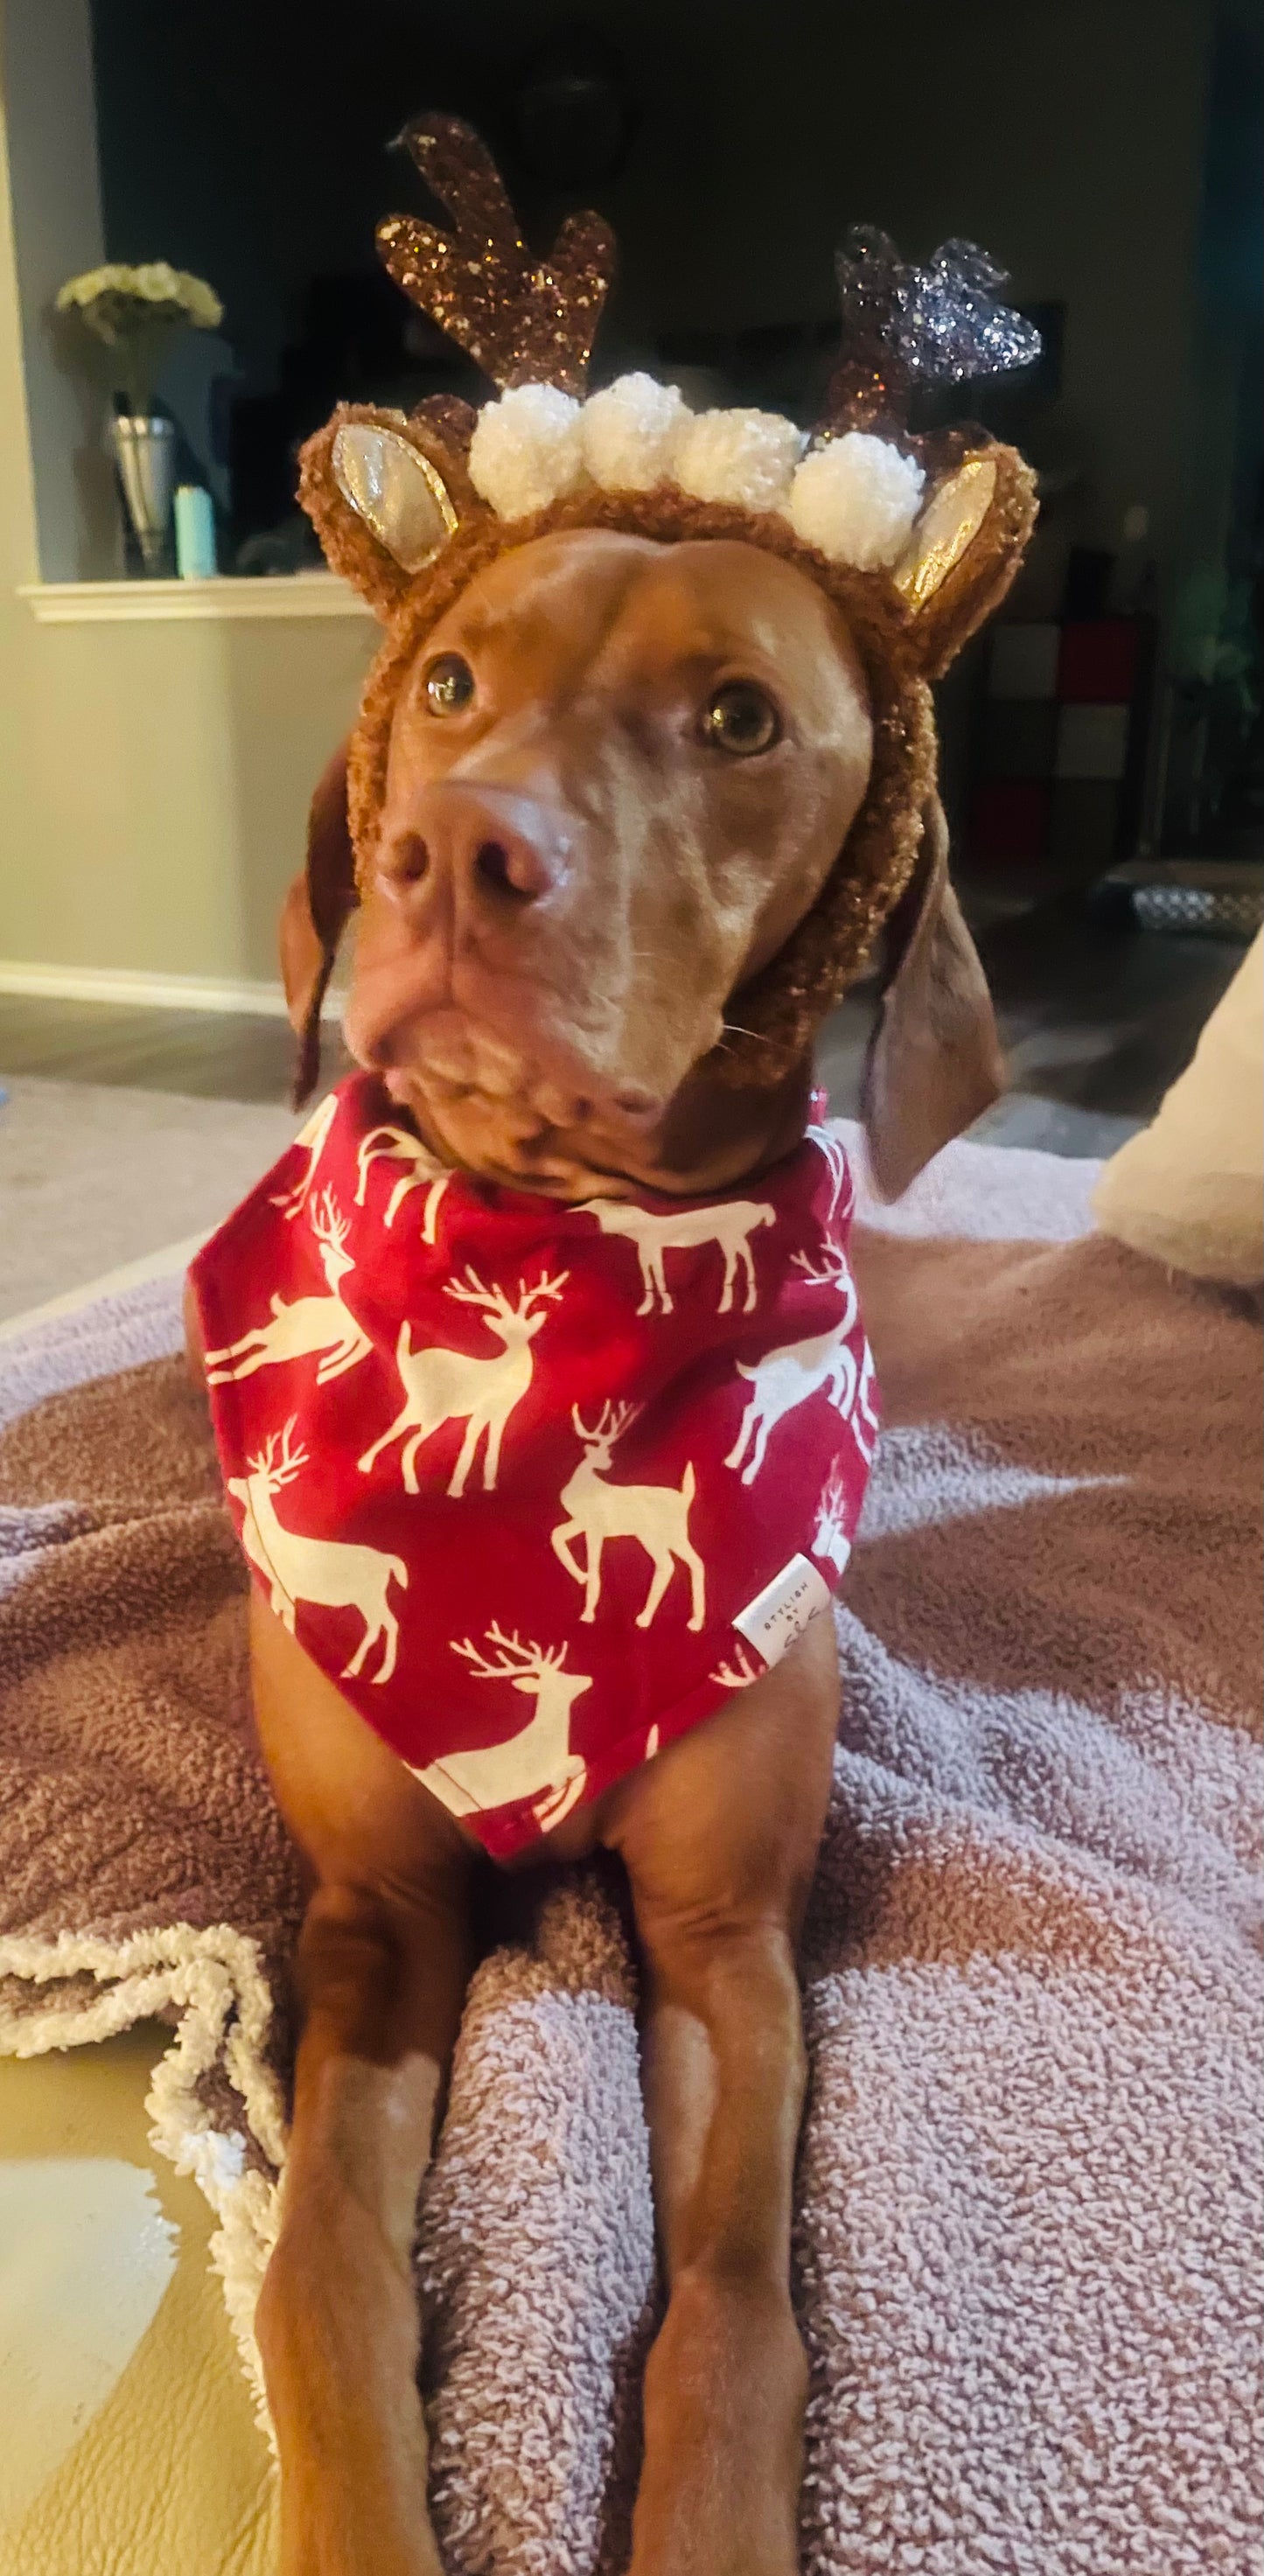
x=493 y=845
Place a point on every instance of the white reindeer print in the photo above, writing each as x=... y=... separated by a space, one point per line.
x=864 y=1421
x=835 y=1272
x=306 y=1324
x=786 y=1378
x=830 y=1537
x=424 y=1171
x=858 y=1410
x=447 y=1386
x=313 y=1138
x=829 y=1146
x=736 y=1675
x=657 y=1516
x=331 y=1572
x=731 y=1226
x=537 y=1763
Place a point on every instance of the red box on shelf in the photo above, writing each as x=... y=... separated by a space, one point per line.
x=1009 y=819
x=1097 y=660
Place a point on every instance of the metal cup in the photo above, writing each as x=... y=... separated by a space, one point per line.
x=145 y=453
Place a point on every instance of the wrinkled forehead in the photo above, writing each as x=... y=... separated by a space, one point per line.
x=608 y=606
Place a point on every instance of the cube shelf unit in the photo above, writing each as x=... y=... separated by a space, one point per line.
x=1060 y=752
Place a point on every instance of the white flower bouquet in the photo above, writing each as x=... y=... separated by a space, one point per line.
x=135 y=313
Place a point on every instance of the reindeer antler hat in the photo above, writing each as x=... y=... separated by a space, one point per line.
x=915 y=539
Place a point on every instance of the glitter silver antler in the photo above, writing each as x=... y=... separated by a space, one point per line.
x=904 y=326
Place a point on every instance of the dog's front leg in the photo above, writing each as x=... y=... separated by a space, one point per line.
x=383 y=1962
x=338 y=2324
x=719 y=1835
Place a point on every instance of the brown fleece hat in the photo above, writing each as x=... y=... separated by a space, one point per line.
x=915 y=539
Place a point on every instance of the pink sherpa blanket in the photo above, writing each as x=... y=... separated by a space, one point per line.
x=1029 y=2197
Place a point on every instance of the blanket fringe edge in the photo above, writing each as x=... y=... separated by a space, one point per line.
x=214 y=1979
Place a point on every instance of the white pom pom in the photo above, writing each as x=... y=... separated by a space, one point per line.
x=856 y=499
x=629 y=433
x=746 y=457
x=525 y=451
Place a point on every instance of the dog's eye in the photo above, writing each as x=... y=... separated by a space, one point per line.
x=741 y=718
x=449 y=685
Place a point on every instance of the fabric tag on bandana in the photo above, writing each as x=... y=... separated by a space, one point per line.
x=781 y=1612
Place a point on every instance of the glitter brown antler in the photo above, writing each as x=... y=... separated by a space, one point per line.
x=525 y=322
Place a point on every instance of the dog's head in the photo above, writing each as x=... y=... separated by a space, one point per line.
x=644 y=772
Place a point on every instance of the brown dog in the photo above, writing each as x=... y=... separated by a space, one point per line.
x=619 y=774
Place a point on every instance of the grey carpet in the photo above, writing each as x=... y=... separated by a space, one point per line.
x=93 y=1175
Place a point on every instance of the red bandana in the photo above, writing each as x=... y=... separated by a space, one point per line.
x=537 y=1486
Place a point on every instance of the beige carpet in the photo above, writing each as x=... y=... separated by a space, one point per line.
x=92 y=1176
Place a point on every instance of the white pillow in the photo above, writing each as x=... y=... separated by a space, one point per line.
x=1189 y=1189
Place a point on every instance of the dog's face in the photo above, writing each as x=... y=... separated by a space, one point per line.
x=619 y=774
x=606 y=790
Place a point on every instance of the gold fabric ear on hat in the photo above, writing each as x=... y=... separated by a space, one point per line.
x=398 y=493
x=950 y=522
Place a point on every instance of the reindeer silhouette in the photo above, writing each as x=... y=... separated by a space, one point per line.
x=447 y=1386
x=730 y=1225
x=785 y=1378
x=424 y=1172
x=830 y=1147
x=657 y=1516
x=312 y=1139
x=537 y=1763
x=306 y=1324
x=742 y=1670
x=864 y=1421
x=331 y=1572
x=834 y=1272
x=830 y=1537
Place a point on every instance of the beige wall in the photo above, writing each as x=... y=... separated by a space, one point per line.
x=153 y=778
x=153 y=804
x=49 y=111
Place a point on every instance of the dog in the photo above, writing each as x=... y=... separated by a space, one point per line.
x=643 y=775
x=575 y=872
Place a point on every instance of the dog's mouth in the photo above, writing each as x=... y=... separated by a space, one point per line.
x=459 y=1055
x=561 y=1071
x=532 y=1116
x=508 y=1066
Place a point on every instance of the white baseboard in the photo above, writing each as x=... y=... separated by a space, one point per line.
x=145 y=991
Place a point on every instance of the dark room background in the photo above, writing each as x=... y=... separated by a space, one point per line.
x=1106 y=152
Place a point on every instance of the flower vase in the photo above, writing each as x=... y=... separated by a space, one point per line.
x=145 y=453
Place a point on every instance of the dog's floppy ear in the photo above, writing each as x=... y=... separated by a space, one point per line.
x=386 y=492
x=934 y=1061
x=314 y=916
x=967 y=544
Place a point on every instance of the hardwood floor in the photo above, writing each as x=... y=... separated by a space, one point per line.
x=206 y=1055
x=1098 y=1019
